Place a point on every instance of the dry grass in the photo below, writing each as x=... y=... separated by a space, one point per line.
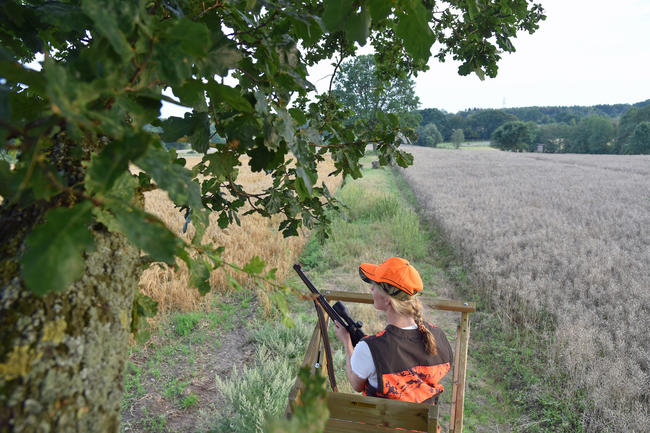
x=564 y=234
x=257 y=236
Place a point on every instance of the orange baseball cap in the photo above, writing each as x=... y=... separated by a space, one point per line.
x=394 y=271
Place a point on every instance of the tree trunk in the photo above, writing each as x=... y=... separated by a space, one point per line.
x=62 y=355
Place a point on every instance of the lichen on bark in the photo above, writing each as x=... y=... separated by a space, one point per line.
x=63 y=357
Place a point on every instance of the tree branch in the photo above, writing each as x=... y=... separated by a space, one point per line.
x=217 y=4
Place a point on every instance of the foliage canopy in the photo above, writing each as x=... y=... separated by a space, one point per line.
x=77 y=124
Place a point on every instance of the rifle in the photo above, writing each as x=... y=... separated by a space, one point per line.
x=339 y=312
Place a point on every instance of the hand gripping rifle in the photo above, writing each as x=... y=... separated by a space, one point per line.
x=338 y=312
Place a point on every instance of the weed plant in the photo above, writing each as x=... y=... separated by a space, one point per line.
x=184 y=323
x=255 y=393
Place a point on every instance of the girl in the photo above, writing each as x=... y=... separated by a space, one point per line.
x=407 y=360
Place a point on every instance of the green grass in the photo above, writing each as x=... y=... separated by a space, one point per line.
x=185 y=323
x=469 y=145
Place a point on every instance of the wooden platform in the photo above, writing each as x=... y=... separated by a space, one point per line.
x=356 y=413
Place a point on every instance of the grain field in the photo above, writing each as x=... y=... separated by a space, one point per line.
x=257 y=236
x=559 y=243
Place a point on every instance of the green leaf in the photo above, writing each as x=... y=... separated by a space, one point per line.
x=301 y=189
x=223 y=58
x=229 y=96
x=113 y=161
x=14 y=72
x=221 y=164
x=336 y=13
x=380 y=9
x=306 y=182
x=233 y=283
x=261 y=158
x=192 y=94
x=298 y=115
x=357 y=27
x=54 y=255
x=107 y=23
x=472 y=9
x=146 y=232
x=413 y=28
x=200 y=138
x=270 y=275
x=194 y=37
x=63 y=16
x=177 y=127
x=200 y=275
x=255 y=265
x=8 y=183
x=173 y=178
x=280 y=300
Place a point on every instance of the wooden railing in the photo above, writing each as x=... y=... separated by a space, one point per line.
x=352 y=413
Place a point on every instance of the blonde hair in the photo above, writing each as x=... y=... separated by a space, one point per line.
x=410 y=306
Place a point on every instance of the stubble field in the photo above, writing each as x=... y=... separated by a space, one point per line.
x=559 y=244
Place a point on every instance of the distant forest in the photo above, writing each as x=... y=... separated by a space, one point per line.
x=617 y=128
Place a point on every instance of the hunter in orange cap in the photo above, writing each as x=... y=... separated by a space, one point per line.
x=407 y=360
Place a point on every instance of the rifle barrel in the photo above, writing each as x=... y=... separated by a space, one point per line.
x=320 y=299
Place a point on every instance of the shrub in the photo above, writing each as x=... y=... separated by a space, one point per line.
x=513 y=136
x=256 y=393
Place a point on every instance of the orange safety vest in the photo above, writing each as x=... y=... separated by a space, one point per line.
x=405 y=371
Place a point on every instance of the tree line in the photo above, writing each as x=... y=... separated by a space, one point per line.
x=611 y=129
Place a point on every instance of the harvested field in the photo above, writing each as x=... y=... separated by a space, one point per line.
x=257 y=236
x=560 y=244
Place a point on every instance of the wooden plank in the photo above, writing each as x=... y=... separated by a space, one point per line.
x=336 y=295
x=379 y=411
x=309 y=358
x=454 y=381
x=453 y=305
x=334 y=425
x=366 y=298
x=462 y=369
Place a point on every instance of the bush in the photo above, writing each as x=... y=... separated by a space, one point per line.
x=256 y=393
x=639 y=142
x=513 y=136
x=428 y=135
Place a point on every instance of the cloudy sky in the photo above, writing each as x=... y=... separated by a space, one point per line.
x=586 y=52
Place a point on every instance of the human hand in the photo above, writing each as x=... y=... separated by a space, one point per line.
x=342 y=334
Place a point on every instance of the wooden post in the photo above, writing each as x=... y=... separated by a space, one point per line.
x=462 y=372
x=310 y=357
x=454 y=383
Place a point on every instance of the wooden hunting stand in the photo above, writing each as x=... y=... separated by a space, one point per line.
x=356 y=413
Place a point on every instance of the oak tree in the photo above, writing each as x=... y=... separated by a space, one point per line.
x=74 y=237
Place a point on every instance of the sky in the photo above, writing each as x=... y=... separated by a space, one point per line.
x=586 y=52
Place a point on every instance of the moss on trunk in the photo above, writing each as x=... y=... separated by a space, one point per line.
x=63 y=355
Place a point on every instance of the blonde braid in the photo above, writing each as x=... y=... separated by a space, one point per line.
x=429 y=340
